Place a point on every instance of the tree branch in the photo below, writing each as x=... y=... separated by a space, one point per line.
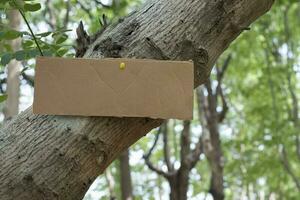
x=219 y=89
x=185 y=143
x=51 y=22
x=110 y=183
x=223 y=112
x=67 y=15
x=298 y=146
x=29 y=79
x=221 y=72
x=102 y=4
x=287 y=167
x=147 y=156
x=85 y=9
x=166 y=148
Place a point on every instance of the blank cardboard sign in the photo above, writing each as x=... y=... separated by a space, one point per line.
x=114 y=87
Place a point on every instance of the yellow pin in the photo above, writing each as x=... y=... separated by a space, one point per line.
x=122 y=66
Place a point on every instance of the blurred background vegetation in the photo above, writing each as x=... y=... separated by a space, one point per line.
x=244 y=140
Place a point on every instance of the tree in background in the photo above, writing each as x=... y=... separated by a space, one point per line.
x=208 y=142
x=13 y=71
x=262 y=150
x=126 y=183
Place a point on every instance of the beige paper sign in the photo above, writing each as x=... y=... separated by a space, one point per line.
x=114 y=87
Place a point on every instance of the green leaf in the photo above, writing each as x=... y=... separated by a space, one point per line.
x=25 y=33
x=47 y=53
x=60 y=38
x=3 y=1
x=61 y=52
x=18 y=4
x=27 y=43
x=3 y=97
x=70 y=55
x=33 y=53
x=20 y=55
x=7 y=48
x=5 y=59
x=61 y=30
x=45 y=34
x=10 y=34
x=32 y=7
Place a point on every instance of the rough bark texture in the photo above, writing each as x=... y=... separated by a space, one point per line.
x=126 y=184
x=56 y=157
x=13 y=71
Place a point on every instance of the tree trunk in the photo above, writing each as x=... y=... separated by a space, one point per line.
x=179 y=185
x=215 y=157
x=110 y=184
x=126 y=185
x=214 y=153
x=13 y=71
x=58 y=157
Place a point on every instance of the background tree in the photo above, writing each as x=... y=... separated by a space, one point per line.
x=13 y=70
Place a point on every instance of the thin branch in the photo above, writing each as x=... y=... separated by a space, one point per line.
x=104 y=21
x=287 y=167
x=211 y=96
x=147 y=156
x=175 y=145
x=29 y=27
x=185 y=142
x=290 y=63
x=166 y=148
x=52 y=21
x=167 y=175
x=110 y=183
x=295 y=106
x=199 y=149
x=271 y=86
x=298 y=146
x=211 y=101
x=85 y=9
x=202 y=104
x=29 y=79
x=2 y=81
x=102 y=4
x=220 y=73
x=67 y=16
x=195 y=154
x=223 y=112
x=219 y=89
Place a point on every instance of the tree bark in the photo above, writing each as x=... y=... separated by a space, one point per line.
x=58 y=157
x=13 y=71
x=126 y=184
